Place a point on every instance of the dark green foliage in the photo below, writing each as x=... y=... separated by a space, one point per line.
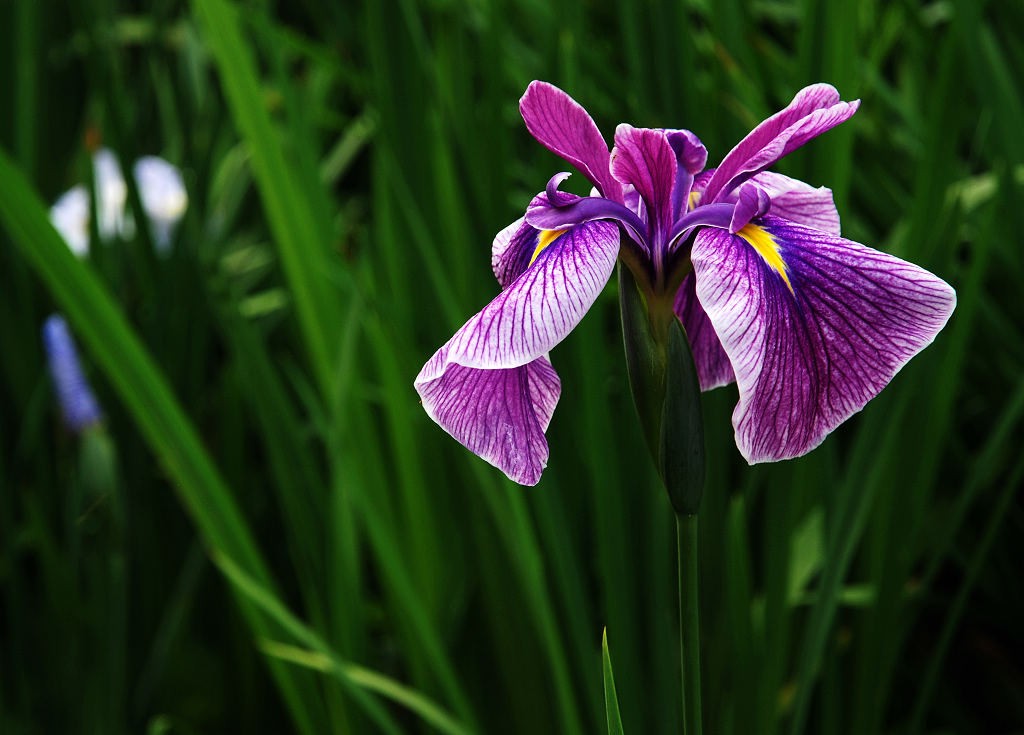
x=348 y=165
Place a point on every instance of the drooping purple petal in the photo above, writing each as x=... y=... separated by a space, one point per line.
x=643 y=157
x=813 y=111
x=814 y=326
x=713 y=366
x=499 y=415
x=561 y=125
x=536 y=310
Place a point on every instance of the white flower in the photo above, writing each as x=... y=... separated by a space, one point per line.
x=111 y=195
x=163 y=196
x=70 y=217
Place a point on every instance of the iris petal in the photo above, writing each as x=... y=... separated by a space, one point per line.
x=561 y=125
x=542 y=304
x=644 y=158
x=813 y=111
x=511 y=250
x=806 y=359
x=499 y=415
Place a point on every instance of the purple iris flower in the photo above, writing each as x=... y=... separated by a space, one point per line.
x=811 y=326
x=77 y=402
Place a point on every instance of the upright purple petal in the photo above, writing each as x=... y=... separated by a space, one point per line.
x=541 y=306
x=713 y=366
x=561 y=125
x=690 y=152
x=813 y=111
x=644 y=158
x=691 y=156
x=814 y=325
x=500 y=415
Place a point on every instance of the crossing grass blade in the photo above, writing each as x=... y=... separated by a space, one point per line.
x=321 y=657
x=171 y=437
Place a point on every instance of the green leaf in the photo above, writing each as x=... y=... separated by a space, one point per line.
x=682 y=426
x=611 y=699
x=321 y=657
x=297 y=230
x=666 y=392
x=106 y=334
x=646 y=379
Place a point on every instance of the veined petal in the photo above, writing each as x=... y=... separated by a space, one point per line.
x=713 y=366
x=561 y=125
x=511 y=250
x=814 y=326
x=499 y=415
x=564 y=274
x=643 y=157
x=813 y=111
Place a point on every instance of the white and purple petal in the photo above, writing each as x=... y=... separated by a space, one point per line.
x=813 y=111
x=561 y=125
x=713 y=366
x=542 y=305
x=511 y=251
x=500 y=415
x=814 y=326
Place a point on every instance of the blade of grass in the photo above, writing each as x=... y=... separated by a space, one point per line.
x=292 y=220
x=170 y=435
x=611 y=699
x=998 y=515
x=356 y=677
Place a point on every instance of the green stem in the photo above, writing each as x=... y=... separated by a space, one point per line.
x=689 y=622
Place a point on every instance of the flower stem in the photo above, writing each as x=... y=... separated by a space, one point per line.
x=689 y=621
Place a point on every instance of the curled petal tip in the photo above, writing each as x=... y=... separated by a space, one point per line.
x=753 y=202
x=556 y=197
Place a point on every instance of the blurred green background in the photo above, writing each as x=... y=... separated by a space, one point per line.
x=267 y=534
